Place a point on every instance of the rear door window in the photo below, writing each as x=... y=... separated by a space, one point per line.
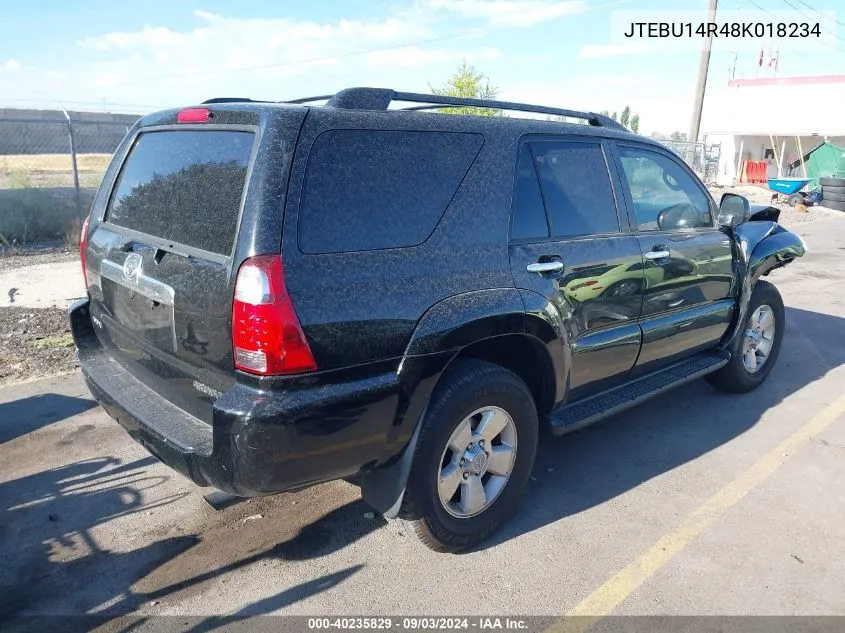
x=184 y=186
x=529 y=215
x=376 y=189
x=576 y=188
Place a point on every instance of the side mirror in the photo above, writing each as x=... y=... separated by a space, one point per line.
x=733 y=210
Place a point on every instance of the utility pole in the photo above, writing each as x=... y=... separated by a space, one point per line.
x=703 y=66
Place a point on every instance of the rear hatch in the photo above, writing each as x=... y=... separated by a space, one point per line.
x=169 y=230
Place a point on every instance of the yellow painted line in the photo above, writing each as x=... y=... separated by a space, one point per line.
x=609 y=595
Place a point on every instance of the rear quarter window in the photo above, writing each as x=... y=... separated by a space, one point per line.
x=376 y=189
x=184 y=186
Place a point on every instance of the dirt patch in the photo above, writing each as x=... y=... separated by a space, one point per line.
x=19 y=257
x=35 y=342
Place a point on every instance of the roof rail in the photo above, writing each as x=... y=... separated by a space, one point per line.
x=381 y=98
x=229 y=100
x=309 y=99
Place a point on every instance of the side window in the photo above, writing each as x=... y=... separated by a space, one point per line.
x=576 y=188
x=665 y=196
x=376 y=189
x=529 y=215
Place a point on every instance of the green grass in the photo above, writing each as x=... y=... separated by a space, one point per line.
x=50 y=342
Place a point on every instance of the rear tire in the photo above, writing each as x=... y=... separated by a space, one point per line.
x=832 y=197
x=473 y=399
x=756 y=348
x=833 y=204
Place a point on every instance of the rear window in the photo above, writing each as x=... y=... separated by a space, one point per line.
x=372 y=189
x=184 y=186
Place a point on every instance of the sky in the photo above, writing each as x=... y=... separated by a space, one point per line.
x=102 y=55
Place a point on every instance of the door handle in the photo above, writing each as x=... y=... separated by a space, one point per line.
x=652 y=255
x=545 y=267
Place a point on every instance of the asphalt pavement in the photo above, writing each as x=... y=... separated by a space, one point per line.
x=697 y=502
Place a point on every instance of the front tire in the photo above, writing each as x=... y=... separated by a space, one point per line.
x=473 y=457
x=757 y=346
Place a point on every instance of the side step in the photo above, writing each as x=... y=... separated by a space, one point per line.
x=592 y=409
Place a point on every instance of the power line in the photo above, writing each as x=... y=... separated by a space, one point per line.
x=809 y=6
x=313 y=60
x=96 y=103
x=833 y=46
x=800 y=54
x=836 y=35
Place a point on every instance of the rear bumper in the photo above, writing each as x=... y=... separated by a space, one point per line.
x=260 y=442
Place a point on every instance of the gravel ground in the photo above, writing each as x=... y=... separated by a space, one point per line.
x=789 y=216
x=19 y=258
x=35 y=342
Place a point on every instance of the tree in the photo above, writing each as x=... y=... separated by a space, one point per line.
x=635 y=124
x=630 y=122
x=468 y=82
x=678 y=136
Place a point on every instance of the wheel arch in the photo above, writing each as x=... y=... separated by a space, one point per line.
x=486 y=325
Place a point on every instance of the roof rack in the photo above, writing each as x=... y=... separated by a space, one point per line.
x=229 y=100
x=381 y=98
x=309 y=99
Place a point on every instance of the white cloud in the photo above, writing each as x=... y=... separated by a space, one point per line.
x=603 y=51
x=12 y=64
x=224 y=42
x=262 y=58
x=513 y=13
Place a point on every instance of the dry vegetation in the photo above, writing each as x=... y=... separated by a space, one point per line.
x=38 y=199
x=21 y=171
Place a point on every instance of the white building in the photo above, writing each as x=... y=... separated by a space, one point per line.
x=777 y=119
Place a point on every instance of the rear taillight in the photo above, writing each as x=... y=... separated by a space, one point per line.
x=266 y=334
x=83 y=244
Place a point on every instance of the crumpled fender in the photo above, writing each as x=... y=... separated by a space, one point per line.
x=767 y=245
x=763 y=246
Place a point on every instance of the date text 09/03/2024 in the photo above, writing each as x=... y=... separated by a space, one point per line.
x=726 y=29
x=418 y=623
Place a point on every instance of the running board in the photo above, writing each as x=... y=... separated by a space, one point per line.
x=580 y=414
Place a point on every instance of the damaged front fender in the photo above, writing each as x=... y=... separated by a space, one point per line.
x=763 y=246
x=766 y=246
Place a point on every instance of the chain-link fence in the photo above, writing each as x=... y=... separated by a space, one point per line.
x=701 y=157
x=50 y=167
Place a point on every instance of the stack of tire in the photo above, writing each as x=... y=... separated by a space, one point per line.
x=833 y=193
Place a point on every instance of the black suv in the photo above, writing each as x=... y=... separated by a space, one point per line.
x=281 y=294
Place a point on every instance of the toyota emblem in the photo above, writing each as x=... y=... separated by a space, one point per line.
x=132 y=267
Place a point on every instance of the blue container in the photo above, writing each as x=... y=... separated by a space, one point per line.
x=787 y=186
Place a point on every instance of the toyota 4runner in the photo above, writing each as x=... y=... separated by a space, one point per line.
x=282 y=294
